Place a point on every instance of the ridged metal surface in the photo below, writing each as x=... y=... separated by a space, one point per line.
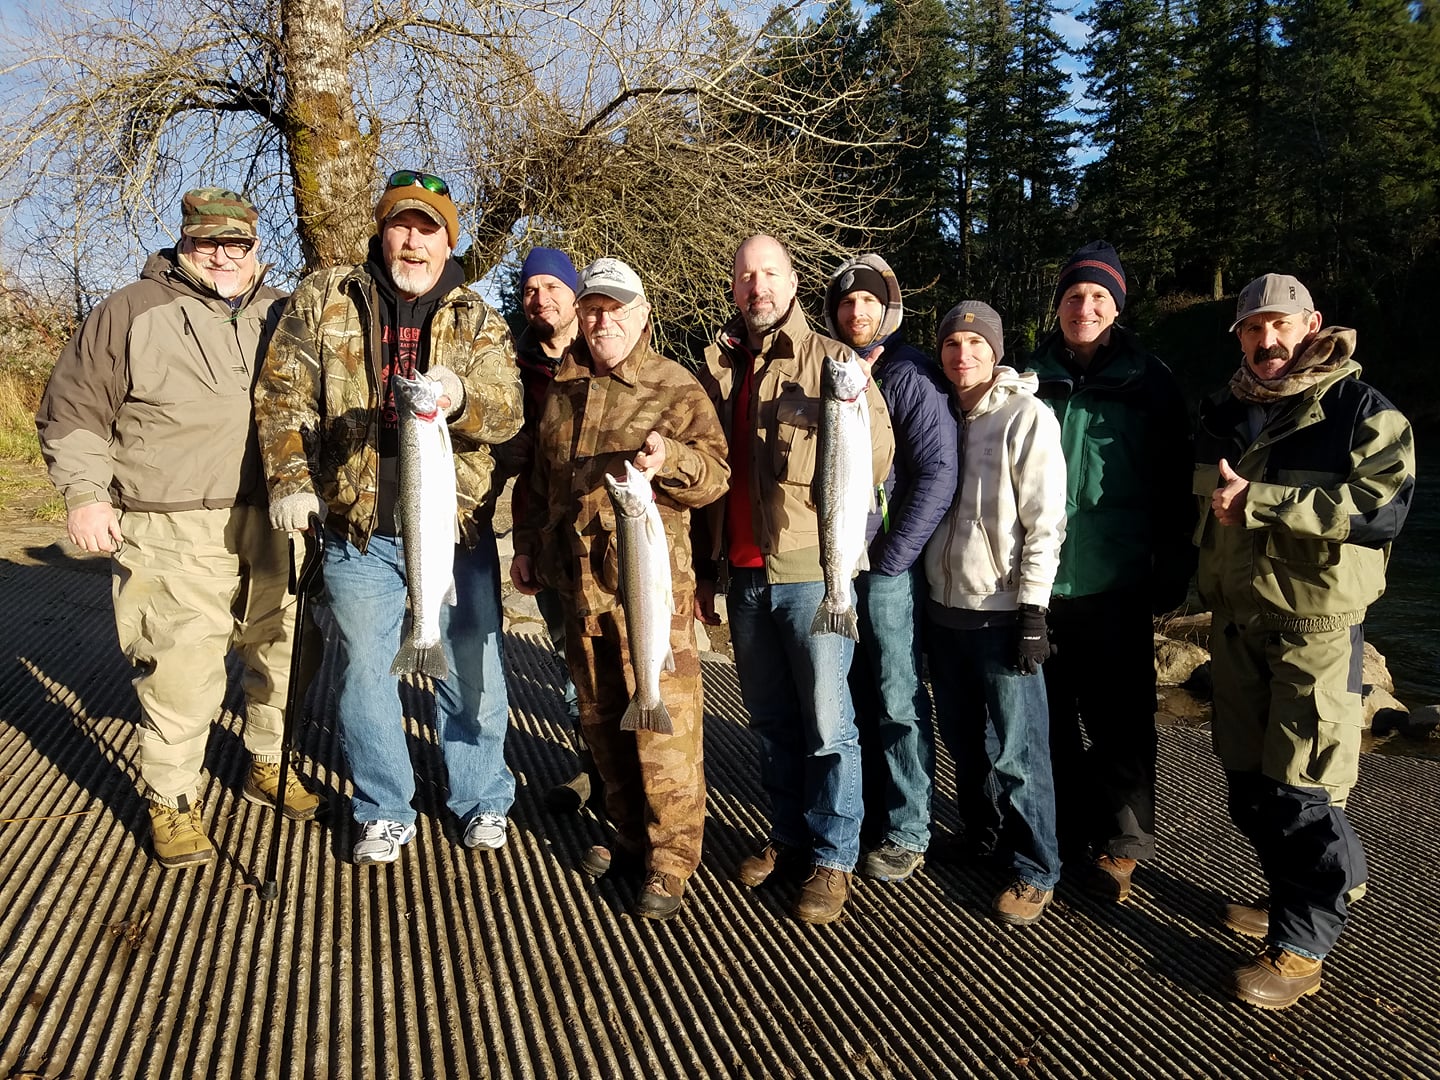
x=458 y=964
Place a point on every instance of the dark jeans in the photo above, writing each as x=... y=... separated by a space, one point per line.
x=1309 y=854
x=977 y=687
x=892 y=711
x=1101 y=687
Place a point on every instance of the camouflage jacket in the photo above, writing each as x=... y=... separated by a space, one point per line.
x=317 y=401
x=593 y=424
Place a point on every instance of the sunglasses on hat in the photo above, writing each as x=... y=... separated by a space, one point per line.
x=410 y=177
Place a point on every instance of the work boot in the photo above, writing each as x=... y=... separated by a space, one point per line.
x=891 y=862
x=660 y=897
x=1021 y=904
x=1252 y=920
x=263 y=781
x=571 y=796
x=179 y=836
x=822 y=898
x=599 y=861
x=1109 y=878
x=756 y=869
x=1277 y=978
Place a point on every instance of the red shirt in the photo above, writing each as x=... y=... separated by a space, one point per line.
x=739 y=508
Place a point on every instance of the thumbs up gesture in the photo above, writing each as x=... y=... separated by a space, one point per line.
x=1228 y=502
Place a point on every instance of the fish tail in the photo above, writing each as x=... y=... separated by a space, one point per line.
x=428 y=661
x=669 y=664
x=836 y=622
x=638 y=718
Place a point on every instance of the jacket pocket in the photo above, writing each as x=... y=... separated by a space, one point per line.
x=797 y=437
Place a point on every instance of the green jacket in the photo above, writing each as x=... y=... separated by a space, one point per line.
x=1125 y=433
x=1332 y=473
x=317 y=402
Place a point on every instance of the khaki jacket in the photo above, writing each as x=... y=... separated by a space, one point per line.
x=1332 y=474
x=149 y=405
x=786 y=409
x=317 y=403
x=590 y=426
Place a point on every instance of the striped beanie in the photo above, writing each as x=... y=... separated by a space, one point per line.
x=213 y=211
x=1096 y=263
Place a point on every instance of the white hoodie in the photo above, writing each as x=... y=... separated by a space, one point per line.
x=999 y=545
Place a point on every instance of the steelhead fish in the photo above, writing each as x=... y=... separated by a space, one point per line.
x=646 y=594
x=425 y=512
x=844 y=493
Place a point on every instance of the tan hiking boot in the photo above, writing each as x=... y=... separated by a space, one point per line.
x=178 y=836
x=1252 y=920
x=1021 y=904
x=263 y=782
x=822 y=898
x=1277 y=978
x=1109 y=878
x=660 y=897
x=756 y=869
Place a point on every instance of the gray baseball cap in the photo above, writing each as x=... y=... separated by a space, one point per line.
x=612 y=278
x=1278 y=294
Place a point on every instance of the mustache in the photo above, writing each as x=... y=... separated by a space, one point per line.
x=416 y=254
x=1270 y=352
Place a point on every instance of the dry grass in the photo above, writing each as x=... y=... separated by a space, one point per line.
x=19 y=398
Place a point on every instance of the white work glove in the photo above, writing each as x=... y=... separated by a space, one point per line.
x=451 y=387
x=292 y=513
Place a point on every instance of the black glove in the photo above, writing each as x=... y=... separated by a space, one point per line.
x=1032 y=640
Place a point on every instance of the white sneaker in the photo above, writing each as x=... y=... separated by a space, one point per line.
x=487 y=830
x=381 y=841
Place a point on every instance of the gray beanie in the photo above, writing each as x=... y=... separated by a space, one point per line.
x=974 y=317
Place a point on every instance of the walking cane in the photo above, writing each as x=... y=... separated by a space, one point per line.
x=301 y=579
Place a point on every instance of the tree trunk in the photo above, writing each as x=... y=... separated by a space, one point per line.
x=332 y=163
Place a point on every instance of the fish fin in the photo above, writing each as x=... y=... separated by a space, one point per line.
x=639 y=718
x=414 y=661
x=669 y=664
x=836 y=622
x=450 y=597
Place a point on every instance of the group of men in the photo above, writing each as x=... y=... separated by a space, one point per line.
x=199 y=421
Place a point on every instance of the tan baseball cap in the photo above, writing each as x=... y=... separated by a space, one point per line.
x=1278 y=294
x=612 y=278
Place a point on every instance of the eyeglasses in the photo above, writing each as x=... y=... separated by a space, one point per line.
x=620 y=314
x=409 y=178
x=233 y=249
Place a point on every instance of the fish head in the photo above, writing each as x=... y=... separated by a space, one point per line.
x=632 y=495
x=417 y=397
x=842 y=379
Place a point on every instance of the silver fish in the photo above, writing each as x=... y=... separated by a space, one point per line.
x=425 y=511
x=646 y=593
x=844 y=493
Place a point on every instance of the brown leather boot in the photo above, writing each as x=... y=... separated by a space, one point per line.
x=756 y=869
x=262 y=783
x=178 y=835
x=1021 y=904
x=1252 y=920
x=822 y=898
x=1277 y=978
x=1109 y=878
x=660 y=897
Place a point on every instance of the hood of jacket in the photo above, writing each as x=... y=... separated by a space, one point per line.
x=165 y=267
x=1008 y=382
x=894 y=311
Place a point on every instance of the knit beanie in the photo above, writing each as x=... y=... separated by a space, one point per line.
x=214 y=211
x=1096 y=263
x=438 y=208
x=544 y=260
x=973 y=317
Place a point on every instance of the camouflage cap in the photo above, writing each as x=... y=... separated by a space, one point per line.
x=214 y=211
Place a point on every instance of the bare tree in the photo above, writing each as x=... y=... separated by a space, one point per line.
x=659 y=131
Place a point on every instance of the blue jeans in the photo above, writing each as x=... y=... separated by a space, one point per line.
x=793 y=684
x=892 y=709
x=366 y=596
x=976 y=682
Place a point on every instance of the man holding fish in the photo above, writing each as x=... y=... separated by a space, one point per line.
x=339 y=440
x=628 y=445
x=764 y=374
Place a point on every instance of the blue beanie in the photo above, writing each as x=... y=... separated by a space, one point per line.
x=1097 y=264
x=557 y=264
